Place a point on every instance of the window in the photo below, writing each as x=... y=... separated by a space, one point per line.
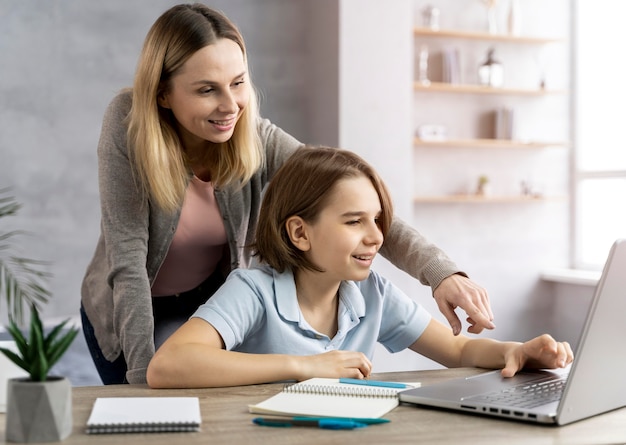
x=599 y=130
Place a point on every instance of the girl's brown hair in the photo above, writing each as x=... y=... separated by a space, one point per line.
x=301 y=188
x=154 y=144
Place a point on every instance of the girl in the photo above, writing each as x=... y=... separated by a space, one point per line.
x=314 y=308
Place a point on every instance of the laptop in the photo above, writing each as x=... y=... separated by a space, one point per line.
x=593 y=384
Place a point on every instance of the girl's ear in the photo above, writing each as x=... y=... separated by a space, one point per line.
x=296 y=230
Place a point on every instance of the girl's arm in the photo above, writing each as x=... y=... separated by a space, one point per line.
x=439 y=344
x=194 y=357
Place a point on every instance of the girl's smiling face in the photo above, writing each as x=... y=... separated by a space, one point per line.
x=346 y=236
x=209 y=93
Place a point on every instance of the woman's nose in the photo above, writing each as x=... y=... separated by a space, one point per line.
x=228 y=104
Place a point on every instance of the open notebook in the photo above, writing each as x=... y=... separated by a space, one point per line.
x=323 y=397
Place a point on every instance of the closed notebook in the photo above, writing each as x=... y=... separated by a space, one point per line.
x=144 y=415
x=322 y=397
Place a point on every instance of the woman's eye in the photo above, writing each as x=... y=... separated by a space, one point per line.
x=206 y=91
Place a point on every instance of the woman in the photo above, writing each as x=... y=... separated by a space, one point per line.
x=183 y=159
x=314 y=308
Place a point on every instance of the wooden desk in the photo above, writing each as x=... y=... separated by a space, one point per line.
x=225 y=420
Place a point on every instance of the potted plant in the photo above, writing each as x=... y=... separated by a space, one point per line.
x=482 y=186
x=39 y=407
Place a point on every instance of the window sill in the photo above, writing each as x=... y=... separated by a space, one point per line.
x=572 y=276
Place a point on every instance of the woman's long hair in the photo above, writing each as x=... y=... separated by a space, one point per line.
x=154 y=144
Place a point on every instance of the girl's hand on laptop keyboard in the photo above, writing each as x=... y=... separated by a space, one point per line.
x=542 y=352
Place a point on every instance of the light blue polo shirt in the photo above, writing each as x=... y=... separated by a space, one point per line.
x=256 y=310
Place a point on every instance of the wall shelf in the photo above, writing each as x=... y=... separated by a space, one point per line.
x=441 y=87
x=486 y=143
x=480 y=199
x=472 y=35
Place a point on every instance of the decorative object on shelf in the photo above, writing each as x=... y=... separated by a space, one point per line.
x=504 y=123
x=451 y=66
x=39 y=407
x=430 y=15
x=491 y=72
x=432 y=132
x=541 y=60
x=529 y=190
x=514 y=20
x=483 y=188
x=423 y=65
x=492 y=20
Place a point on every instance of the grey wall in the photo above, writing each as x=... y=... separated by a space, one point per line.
x=61 y=62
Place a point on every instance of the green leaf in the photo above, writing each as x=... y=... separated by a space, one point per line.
x=49 y=340
x=58 y=349
x=15 y=359
x=18 y=337
x=20 y=278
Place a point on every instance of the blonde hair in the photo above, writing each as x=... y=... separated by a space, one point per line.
x=155 y=147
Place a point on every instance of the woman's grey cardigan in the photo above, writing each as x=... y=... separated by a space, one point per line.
x=135 y=238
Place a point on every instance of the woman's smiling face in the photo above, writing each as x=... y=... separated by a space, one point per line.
x=209 y=93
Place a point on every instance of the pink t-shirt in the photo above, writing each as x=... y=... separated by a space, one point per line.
x=198 y=243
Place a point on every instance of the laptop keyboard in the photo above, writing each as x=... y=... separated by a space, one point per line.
x=525 y=395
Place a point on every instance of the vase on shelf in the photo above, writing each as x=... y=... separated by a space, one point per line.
x=430 y=16
x=491 y=72
x=514 y=20
x=423 y=65
x=492 y=18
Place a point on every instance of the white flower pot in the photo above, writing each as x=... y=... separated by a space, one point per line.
x=38 y=411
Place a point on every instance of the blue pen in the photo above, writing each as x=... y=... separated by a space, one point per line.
x=365 y=420
x=372 y=383
x=325 y=423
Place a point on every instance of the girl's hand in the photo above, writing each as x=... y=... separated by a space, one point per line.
x=335 y=364
x=540 y=352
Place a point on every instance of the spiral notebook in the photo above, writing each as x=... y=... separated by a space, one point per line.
x=323 y=397
x=144 y=415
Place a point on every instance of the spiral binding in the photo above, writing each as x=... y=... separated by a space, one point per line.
x=351 y=391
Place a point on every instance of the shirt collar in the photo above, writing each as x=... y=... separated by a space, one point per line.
x=287 y=304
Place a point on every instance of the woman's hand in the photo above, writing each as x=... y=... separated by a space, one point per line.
x=540 y=352
x=335 y=364
x=459 y=291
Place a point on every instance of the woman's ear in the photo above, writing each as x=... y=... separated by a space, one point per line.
x=296 y=230
x=162 y=100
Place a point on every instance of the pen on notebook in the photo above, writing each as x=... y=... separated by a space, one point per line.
x=325 y=423
x=367 y=382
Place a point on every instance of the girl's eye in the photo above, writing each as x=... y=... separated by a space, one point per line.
x=207 y=91
x=353 y=222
